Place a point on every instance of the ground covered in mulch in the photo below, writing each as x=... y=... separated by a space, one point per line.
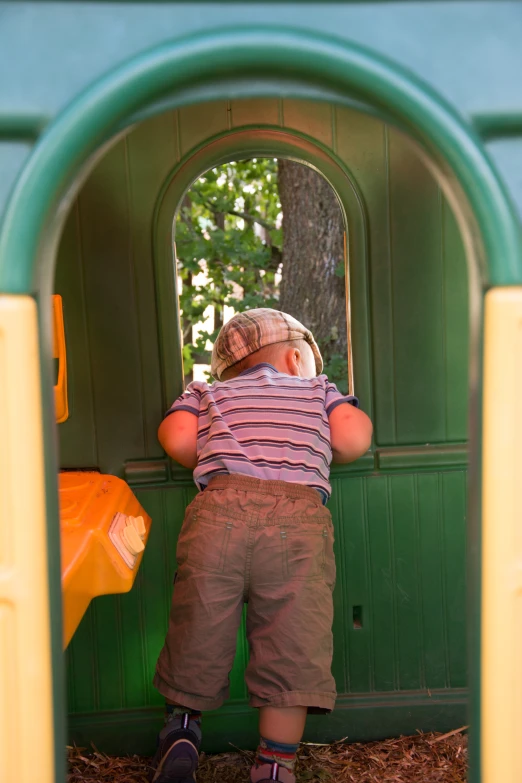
x=424 y=758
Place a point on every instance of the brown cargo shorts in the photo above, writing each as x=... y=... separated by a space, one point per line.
x=268 y=544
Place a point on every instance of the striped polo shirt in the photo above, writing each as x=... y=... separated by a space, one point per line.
x=264 y=424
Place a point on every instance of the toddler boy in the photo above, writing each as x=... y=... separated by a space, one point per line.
x=260 y=440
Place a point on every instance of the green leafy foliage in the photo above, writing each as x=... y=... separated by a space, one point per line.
x=336 y=368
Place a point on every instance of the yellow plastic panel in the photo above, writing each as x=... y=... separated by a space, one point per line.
x=25 y=657
x=103 y=533
x=61 y=401
x=501 y=704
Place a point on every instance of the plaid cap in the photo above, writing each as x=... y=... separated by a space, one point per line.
x=247 y=332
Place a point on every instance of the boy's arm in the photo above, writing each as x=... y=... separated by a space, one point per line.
x=178 y=434
x=350 y=433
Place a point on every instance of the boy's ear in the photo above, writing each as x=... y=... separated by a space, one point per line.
x=293 y=360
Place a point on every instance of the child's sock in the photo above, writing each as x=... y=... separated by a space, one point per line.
x=270 y=752
x=175 y=711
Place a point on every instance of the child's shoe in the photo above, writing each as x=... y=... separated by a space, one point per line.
x=265 y=773
x=176 y=759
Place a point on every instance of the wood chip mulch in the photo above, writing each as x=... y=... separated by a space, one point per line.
x=424 y=758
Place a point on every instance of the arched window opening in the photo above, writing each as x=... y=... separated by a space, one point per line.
x=262 y=232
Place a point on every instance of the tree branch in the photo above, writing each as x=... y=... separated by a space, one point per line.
x=243 y=215
x=253 y=219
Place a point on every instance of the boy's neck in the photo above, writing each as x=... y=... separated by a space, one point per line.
x=257 y=366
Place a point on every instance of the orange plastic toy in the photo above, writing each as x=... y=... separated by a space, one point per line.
x=103 y=534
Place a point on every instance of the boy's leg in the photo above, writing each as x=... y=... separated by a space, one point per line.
x=193 y=668
x=289 y=626
x=281 y=730
x=282 y=724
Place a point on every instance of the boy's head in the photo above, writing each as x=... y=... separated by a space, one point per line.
x=265 y=335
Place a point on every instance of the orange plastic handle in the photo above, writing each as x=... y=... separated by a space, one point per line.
x=60 y=390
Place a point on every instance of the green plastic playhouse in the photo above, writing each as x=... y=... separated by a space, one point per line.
x=413 y=112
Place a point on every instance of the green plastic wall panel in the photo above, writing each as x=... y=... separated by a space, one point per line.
x=418 y=282
x=419 y=295
x=400 y=546
x=507 y=156
x=13 y=155
x=400 y=553
x=105 y=275
x=468 y=50
x=400 y=530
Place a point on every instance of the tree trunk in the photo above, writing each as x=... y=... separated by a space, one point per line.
x=312 y=289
